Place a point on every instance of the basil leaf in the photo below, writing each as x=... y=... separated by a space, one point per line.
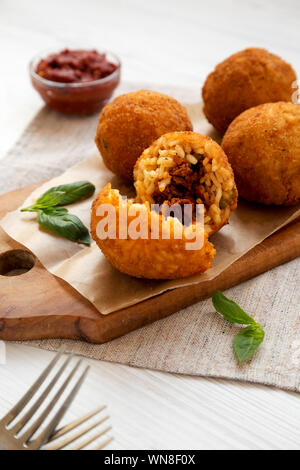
x=247 y=341
x=50 y=198
x=62 y=195
x=47 y=200
x=230 y=310
x=69 y=193
x=55 y=210
x=65 y=225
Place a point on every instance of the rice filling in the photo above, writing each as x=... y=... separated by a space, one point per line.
x=187 y=169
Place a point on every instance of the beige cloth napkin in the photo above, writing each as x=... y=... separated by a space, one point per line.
x=196 y=340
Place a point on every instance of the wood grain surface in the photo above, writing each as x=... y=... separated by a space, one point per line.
x=38 y=305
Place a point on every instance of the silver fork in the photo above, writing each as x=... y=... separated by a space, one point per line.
x=11 y=437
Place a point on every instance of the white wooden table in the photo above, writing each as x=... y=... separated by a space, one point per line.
x=162 y=41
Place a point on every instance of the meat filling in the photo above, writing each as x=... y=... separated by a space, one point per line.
x=184 y=188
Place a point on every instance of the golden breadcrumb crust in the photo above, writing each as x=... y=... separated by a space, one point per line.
x=263 y=147
x=131 y=122
x=244 y=80
x=149 y=258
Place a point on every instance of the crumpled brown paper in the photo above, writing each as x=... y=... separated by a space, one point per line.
x=87 y=270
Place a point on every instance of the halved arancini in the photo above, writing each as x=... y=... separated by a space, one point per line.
x=153 y=256
x=188 y=168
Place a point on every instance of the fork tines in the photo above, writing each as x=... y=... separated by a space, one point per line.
x=61 y=444
x=13 y=438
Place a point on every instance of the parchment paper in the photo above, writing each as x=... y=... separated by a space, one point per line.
x=87 y=270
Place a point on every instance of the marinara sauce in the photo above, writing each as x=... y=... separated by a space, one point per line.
x=76 y=81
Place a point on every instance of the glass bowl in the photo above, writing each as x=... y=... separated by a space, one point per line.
x=75 y=98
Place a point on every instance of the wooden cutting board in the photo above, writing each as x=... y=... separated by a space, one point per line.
x=37 y=305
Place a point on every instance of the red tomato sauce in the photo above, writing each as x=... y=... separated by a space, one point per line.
x=75 y=66
x=76 y=81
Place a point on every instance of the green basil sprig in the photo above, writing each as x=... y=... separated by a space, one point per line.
x=62 y=195
x=55 y=218
x=249 y=339
x=65 y=225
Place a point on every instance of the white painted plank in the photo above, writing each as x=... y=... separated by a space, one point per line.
x=171 y=42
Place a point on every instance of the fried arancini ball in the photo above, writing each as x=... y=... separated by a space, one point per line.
x=131 y=122
x=263 y=147
x=151 y=258
x=244 y=80
x=187 y=167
